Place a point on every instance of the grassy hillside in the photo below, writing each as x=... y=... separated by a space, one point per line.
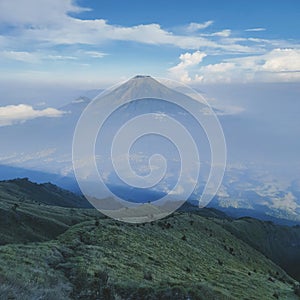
x=24 y=216
x=52 y=252
x=279 y=243
x=23 y=190
x=182 y=257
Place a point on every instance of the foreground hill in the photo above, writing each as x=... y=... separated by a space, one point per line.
x=185 y=256
x=54 y=252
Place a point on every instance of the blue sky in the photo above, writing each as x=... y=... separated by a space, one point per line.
x=96 y=43
x=238 y=15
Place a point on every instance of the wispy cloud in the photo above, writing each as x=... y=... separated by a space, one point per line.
x=20 y=56
x=51 y=23
x=33 y=57
x=14 y=114
x=192 y=27
x=223 y=33
x=95 y=54
x=255 y=29
x=60 y=57
x=77 y=31
x=17 y=159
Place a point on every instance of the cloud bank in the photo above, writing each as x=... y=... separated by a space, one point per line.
x=278 y=65
x=15 y=114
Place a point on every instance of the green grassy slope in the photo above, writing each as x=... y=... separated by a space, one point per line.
x=25 y=218
x=23 y=190
x=52 y=252
x=185 y=256
x=279 y=243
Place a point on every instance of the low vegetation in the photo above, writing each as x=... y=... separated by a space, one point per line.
x=193 y=254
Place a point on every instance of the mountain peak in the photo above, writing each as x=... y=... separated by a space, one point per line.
x=142 y=86
x=141 y=76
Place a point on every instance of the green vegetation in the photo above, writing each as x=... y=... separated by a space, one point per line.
x=280 y=243
x=113 y=260
x=193 y=254
x=24 y=216
x=23 y=190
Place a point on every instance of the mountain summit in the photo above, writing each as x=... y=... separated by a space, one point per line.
x=139 y=87
x=141 y=76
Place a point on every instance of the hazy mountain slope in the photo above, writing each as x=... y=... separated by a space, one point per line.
x=183 y=257
x=279 y=243
x=66 y=182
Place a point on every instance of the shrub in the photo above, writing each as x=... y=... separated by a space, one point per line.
x=148 y=275
x=220 y=262
x=297 y=289
x=15 y=206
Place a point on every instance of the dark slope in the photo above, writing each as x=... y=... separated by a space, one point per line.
x=23 y=190
x=279 y=243
x=31 y=212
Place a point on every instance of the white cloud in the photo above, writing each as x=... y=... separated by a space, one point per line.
x=178 y=191
x=192 y=27
x=276 y=65
x=287 y=202
x=20 y=158
x=13 y=114
x=282 y=60
x=188 y=60
x=37 y=12
x=226 y=110
x=33 y=57
x=19 y=56
x=95 y=54
x=60 y=57
x=223 y=33
x=255 y=29
x=95 y=32
x=36 y=22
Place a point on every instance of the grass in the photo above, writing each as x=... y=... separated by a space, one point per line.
x=279 y=243
x=123 y=261
x=24 y=219
x=55 y=252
